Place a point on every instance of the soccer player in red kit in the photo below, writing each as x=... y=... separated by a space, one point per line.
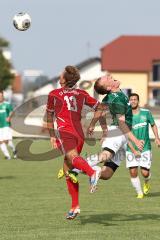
x=65 y=105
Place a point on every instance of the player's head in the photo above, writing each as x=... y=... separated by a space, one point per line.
x=134 y=100
x=69 y=76
x=1 y=96
x=106 y=84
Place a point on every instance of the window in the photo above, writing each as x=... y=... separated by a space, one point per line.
x=127 y=91
x=156 y=72
x=156 y=96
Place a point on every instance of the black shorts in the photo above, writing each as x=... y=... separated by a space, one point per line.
x=111 y=165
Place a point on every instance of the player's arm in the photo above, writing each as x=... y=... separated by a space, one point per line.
x=103 y=124
x=155 y=132
x=136 y=153
x=154 y=128
x=125 y=129
x=50 y=120
x=98 y=116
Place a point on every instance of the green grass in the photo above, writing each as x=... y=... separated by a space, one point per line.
x=33 y=203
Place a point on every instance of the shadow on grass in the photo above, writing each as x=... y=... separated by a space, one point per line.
x=7 y=177
x=154 y=194
x=116 y=218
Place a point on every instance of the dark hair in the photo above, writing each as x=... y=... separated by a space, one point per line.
x=1 y=91
x=71 y=75
x=99 y=88
x=134 y=95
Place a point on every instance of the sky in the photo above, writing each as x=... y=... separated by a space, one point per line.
x=67 y=32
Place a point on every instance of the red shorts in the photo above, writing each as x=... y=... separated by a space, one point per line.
x=68 y=141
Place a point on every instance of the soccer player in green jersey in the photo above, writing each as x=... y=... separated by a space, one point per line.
x=116 y=138
x=5 y=130
x=142 y=118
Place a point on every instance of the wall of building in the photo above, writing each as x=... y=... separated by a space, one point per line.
x=90 y=73
x=138 y=82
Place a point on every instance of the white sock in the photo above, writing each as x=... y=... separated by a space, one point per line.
x=5 y=150
x=137 y=185
x=11 y=145
x=76 y=170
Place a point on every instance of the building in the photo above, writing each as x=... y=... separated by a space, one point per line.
x=135 y=61
x=90 y=69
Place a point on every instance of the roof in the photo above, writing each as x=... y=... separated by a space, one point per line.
x=131 y=53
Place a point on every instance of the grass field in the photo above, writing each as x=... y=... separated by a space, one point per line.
x=33 y=203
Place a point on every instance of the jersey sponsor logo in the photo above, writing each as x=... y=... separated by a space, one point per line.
x=2 y=110
x=139 y=125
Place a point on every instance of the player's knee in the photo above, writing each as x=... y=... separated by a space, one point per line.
x=105 y=156
x=145 y=174
x=133 y=172
x=106 y=173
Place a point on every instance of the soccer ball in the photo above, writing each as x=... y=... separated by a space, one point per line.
x=22 y=21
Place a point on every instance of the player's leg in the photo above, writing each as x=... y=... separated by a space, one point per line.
x=10 y=142
x=112 y=155
x=108 y=170
x=80 y=163
x=145 y=165
x=147 y=176
x=3 y=145
x=73 y=189
x=5 y=150
x=135 y=180
x=132 y=164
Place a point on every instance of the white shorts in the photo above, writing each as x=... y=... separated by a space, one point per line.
x=144 y=161
x=5 y=134
x=115 y=141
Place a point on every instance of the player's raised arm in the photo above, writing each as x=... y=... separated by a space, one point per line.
x=97 y=116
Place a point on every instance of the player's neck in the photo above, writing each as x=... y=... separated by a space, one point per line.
x=135 y=111
x=114 y=90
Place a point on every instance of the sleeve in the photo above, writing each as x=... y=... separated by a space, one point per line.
x=90 y=101
x=119 y=107
x=150 y=118
x=50 y=103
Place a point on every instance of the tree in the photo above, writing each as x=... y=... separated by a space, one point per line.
x=3 y=43
x=5 y=67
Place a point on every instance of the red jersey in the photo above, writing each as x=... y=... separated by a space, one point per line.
x=67 y=106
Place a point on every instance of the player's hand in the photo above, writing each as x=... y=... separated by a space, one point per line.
x=157 y=142
x=137 y=154
x=53 y=142
x=8 y=119
x=139 y=144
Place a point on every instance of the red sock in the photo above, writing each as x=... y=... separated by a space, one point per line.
x=73 y=189
x=79 y=163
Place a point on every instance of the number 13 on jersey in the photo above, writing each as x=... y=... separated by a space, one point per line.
x=71 y=103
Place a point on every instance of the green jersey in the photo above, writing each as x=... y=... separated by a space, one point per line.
x=118 y=104
x=140 y=127
x=5 y=110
